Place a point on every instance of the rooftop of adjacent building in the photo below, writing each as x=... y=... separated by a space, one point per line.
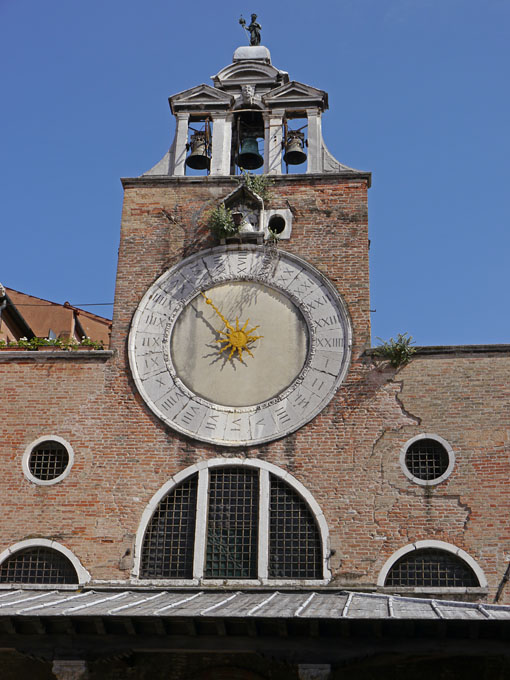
x=28 y=316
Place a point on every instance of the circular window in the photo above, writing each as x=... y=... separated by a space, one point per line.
x=427 y=459
x=47 y=460
x=276 y=224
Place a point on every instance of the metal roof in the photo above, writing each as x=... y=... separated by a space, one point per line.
x=240 y=604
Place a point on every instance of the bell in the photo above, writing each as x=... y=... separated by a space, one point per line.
x=249 y=157
x=198 y=158
x=294 y=153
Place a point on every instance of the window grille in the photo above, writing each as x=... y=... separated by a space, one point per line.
x=431 y=568
x=232 y=530
x=48 y=460
x=38 y=565
x=427 y=459
x=168 y=543
x=226 y=500
x=294 y=540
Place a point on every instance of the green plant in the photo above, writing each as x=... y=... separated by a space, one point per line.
x=62 y=343
x=259 y=184
x=222 y=223
x=87 y=342
x=397 y=350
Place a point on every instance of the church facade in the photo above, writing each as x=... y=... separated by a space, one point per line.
x=241 y=487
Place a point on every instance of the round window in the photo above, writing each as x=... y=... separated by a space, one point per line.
x=47 y=460
x=427 y=459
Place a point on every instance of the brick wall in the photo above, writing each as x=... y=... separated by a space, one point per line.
x=348 y=456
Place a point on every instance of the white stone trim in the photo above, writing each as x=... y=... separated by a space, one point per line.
x=437 y=545
x=202 y=469
x=427 y=482
x=82 y=574
x=30 y=448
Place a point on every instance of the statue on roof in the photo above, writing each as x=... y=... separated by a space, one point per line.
x=253 y=29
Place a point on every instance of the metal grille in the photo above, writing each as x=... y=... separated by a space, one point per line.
x=294 y=539
x=433 y=568
x=48 y=460
x=427 y=459
x=232 y=530
x=167 y=550
x=37 y=565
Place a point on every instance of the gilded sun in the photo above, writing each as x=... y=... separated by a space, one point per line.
x=236 y=339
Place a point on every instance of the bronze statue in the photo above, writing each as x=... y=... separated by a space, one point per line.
x=253 y=29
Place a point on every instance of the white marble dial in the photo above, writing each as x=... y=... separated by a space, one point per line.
x=299 y=358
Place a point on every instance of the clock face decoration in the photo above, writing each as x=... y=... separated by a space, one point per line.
x=236 y=347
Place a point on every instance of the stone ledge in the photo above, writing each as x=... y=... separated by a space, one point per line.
x=450 y=349
x=79 y=355
x=163 y=180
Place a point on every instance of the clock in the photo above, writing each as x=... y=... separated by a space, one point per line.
x=238 y=345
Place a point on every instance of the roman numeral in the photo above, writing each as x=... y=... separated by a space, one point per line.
x=188 y=416
x=151 y=341
x=171 y=400
x=282 y=415
x=329 y=342
x=327 y=321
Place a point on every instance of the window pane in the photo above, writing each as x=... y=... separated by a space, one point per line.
x=294 y=539
x=431 y=568
x=232 y=529
x=167 y=550
x=38 y=565
x=427 y=459
x=48 y=460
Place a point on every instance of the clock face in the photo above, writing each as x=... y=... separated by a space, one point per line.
x=238 y=346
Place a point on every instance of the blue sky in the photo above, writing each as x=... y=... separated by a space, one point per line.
x=418 y=94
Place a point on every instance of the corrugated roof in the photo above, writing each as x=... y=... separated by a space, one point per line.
x=240 y=604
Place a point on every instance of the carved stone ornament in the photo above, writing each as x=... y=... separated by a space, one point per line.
x=69 y=669
x=235 y=346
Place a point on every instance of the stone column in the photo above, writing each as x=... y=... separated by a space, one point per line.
x=221 y=143
x=314 y=671
x=273 y=143
x=70 y=669
x=314 y=141
x=181 y=139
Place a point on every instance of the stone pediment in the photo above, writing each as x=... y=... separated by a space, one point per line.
x=201 y=97
x=296 y=94
x=248 y=73
x=242 y=194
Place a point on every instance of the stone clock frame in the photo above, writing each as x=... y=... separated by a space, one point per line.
x=164 y=392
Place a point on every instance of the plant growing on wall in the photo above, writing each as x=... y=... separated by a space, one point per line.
x=397 y=350
x=60 y=343
x=222 y=222
x=259 y=184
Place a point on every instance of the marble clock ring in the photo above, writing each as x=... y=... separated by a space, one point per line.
x=238 y=346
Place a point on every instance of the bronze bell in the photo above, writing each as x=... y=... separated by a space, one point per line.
x=294 y=148
x=249 y=157
x=198 y=158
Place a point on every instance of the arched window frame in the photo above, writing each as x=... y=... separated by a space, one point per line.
x=202 y=469
x=82 y=574
x=433 y=545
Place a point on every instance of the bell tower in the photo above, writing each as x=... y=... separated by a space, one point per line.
x=253 y=117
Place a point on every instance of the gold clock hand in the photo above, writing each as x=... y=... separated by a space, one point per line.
x=210 y=302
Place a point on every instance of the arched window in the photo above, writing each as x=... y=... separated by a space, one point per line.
x=225 y=520
x=41 y=561
x=38 y=565
x=431 y=564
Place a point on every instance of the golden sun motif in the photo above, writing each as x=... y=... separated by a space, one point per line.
x=236 y=339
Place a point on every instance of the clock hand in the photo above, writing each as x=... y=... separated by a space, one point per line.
x=235 y=339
